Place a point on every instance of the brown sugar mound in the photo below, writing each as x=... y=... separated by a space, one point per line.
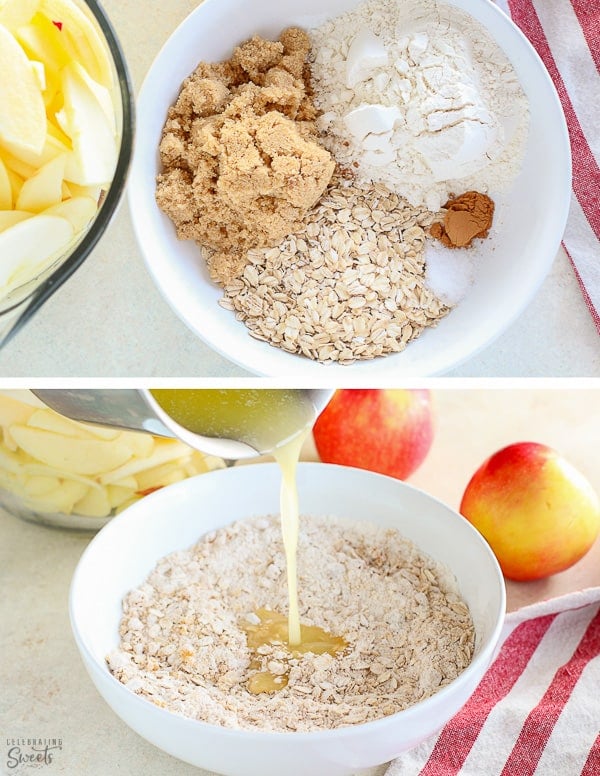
x=241 y=161
x=466 y=217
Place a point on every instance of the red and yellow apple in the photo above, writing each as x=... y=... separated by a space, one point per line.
x=538 y=513
x=385 y=431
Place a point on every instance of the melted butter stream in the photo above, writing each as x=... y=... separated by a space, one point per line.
x=274 y=628
x=279 y=421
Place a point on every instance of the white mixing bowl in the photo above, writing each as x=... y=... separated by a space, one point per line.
x=517 y=258
x=124 y=552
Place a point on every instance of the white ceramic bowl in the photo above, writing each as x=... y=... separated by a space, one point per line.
x=124 y=552
x=516 y=261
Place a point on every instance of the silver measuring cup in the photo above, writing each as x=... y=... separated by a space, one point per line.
x=135 y=409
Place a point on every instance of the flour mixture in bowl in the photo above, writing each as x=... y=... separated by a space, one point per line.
x=393 y=628
x=314 y=171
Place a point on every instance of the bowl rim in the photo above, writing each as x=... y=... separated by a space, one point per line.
x=484 y=656
x=261 y=358
x=33 y=301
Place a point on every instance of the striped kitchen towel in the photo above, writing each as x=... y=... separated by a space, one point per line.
x=566 y=35
x=537 y=709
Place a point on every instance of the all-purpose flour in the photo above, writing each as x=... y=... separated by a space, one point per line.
x=415 y=94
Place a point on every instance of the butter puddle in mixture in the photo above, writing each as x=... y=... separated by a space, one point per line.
x=277 y=421
x=272 y=629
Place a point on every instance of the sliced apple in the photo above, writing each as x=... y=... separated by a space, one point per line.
x=9 y=218
x=79 y=211
x=8 y=481
x=142 y=445
x=56 y=132
x=27 y=246
x=117 y=495
x=85 y=191
x=13 y=411
x=101 y=93
x=16 y=13
x=63 y=499
x=6 y=198
x=22 y=395
x=124 y=504
x=11 y=461
x=81 y=456
x=95 y=503
x=39 y=73
x=16 y=183
x=51 y=92
x=35 y=469
x=28 y=163
x=40 y=485
x=158 y=475
x=94 y=156
x=126 y=482
x=18 y=166
x=52 y=421
x=200 y=463
x=23 y=114
x=165 y=450
x=175 y=475
x=86 y=42
x=43 y=41
x=43 y=189
x=102 y=432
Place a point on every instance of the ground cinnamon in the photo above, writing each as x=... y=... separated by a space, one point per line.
x=468 y=216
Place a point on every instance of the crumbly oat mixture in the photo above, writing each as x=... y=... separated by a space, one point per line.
x=350 y=286
x=409 y=633
x=240 y=156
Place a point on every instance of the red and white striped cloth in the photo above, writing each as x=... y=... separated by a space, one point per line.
x=536 y=712
x=566 y=35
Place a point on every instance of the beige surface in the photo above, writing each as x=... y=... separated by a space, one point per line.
x=45 y=691
x=109 y=320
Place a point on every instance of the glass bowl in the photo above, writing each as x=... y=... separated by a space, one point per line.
x=22 y=302
x=15 y=505
x=62 y=473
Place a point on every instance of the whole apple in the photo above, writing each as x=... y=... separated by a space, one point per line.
x=385 y=431
x=537 y=511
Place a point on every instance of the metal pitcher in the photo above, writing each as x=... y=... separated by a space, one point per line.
x=136 y=409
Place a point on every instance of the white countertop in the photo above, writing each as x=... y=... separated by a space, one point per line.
x=45 y=692
x=109 y=320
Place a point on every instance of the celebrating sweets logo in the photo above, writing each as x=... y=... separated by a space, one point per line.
x=31 y=752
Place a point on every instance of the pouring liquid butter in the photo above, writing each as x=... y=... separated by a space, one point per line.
x=274 y=421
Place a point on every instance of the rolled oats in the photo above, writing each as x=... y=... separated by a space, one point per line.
x=341 y=268
x=183 y=647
